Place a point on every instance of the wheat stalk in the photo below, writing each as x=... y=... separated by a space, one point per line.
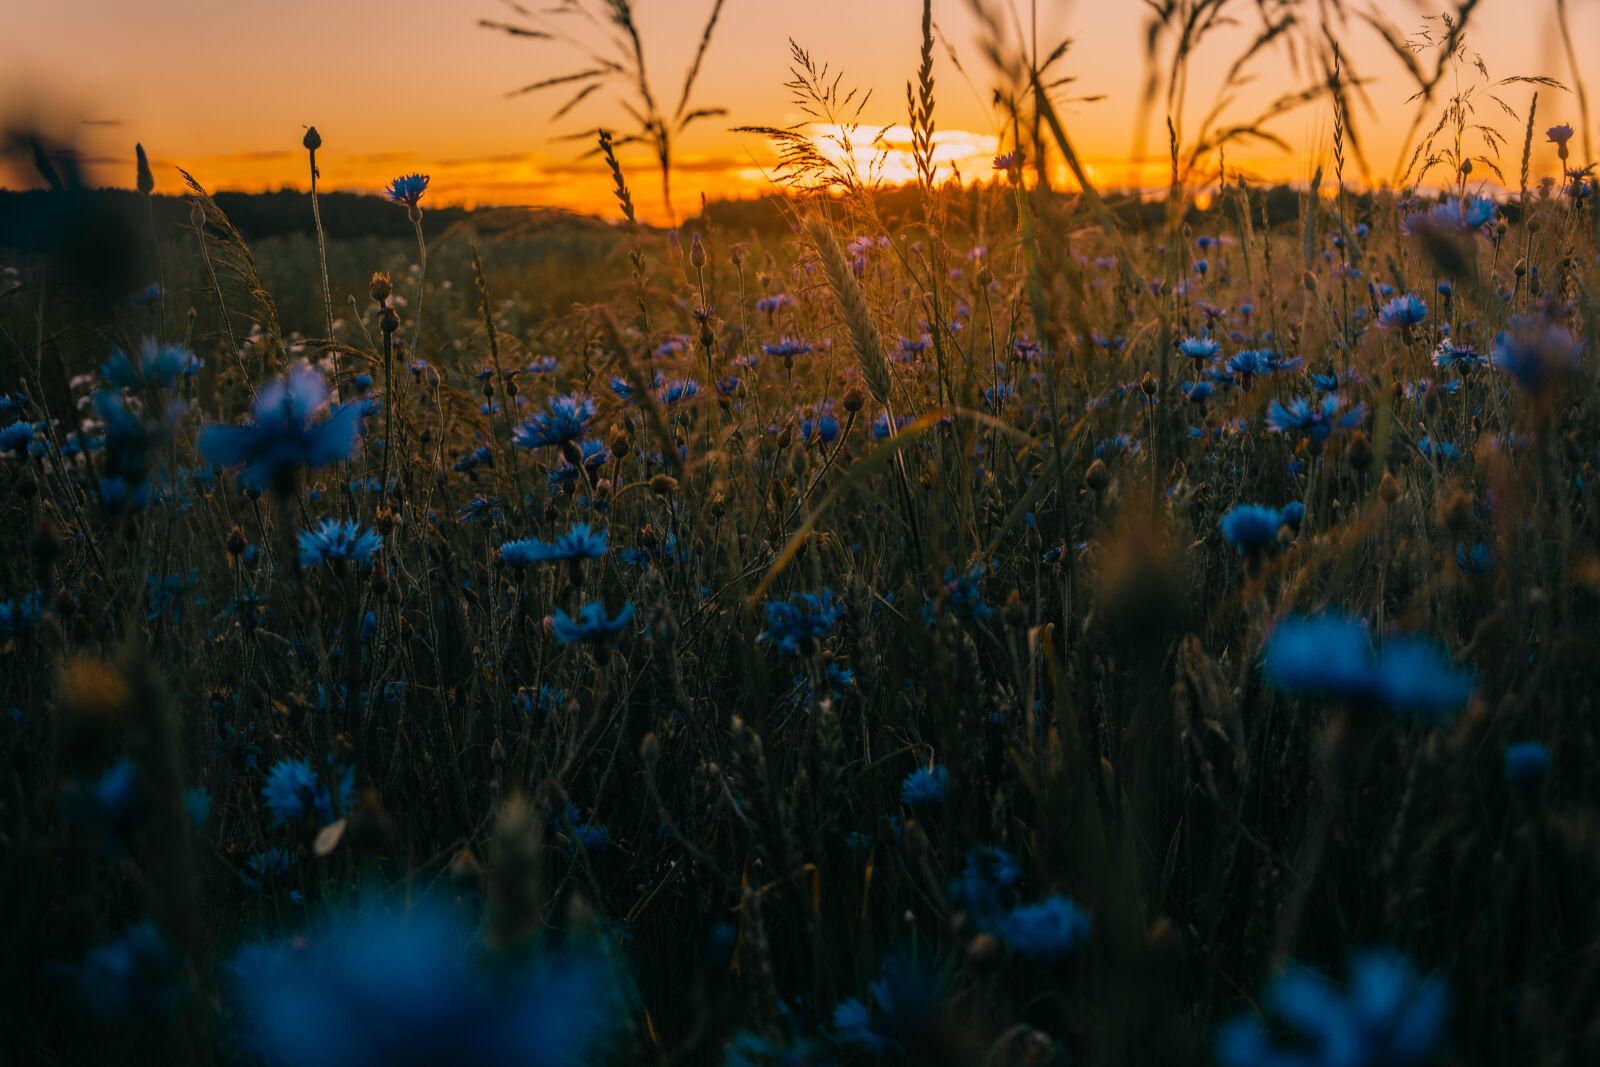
x=853 y=306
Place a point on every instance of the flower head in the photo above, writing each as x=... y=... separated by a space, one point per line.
x=407 y=189
x=335 y=540
x=1250 y=526
x=1526 y=762
x=137 y=974
x=1199 y=347
x=797 y=624
x=1559 y=135
x=1535 y=352
x=1047 y=931
x=565 y=419
x=294 y=792
x=1403 y=312
x=1386 y=1016
x=578 y=543
x=282 y=436
x=383 y=986
x=925 y=787
x=159 y=365
x=1317 y=420
x=592 y=623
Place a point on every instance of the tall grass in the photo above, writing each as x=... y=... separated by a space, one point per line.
x=873 y=640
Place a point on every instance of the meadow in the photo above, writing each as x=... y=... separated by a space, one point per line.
x=988 y=623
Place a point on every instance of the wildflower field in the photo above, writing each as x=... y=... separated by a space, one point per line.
x=984 y=622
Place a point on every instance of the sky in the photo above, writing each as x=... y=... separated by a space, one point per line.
x=225 y=89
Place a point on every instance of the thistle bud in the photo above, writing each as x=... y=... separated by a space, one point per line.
x=236 y=542
x=1389 y=488
x=663 y=485
x=312 y=140
x=146 y=182
x=381 y=286
x=621 y=445
x=1358 y=453
x=1097 y=477
x=389 y=321
x=1148 y=385
x=1013 y=613
x=854 y=399
x=697 y=252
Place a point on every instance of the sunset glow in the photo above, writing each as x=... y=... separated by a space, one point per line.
x=225 y=93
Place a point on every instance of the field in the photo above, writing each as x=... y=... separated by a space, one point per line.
x=963 y=624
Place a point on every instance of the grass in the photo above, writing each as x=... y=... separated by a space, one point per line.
x=913 y=549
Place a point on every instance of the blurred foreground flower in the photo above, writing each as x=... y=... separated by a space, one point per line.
x=282 y=436
x=1331 y=656
x=1387 y=1016
x=383 y=987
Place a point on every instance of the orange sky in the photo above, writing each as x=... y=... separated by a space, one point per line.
x=224 y=88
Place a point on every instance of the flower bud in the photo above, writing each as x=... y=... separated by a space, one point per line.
x=146 y=182
x=697 y=252
x=381 y=286
x=312 y=140
x=1097 y=477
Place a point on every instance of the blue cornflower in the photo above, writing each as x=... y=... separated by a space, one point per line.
x=823 y=427
x=1451 y=217
x=1250 y=527
x=137 y=974
x=1198 y=392
x=621 y=387
x=1294 y=513
x=335 y=540
x=925 y=786
x=407 y=189
x=1417 y=681
x=679 y=389
x=1535 y=352
x=593 y=454
x=19 y=616
x=1318 y=420
x=1326 y=655
x=787 y=348
x=197 y=803
x=1402 y=312
x=578 y=543
x=880 y=425
x=963 y=597
x=112 y=804
x=1526 y=762
x=282 y=436
x=566 y=419
x=1476 y=560
x=1388 y=1016
x=1450 y=353
x=294 y=792
x=118 y=497
x=480 y=508
x=798 y=623
x=1331 y=656
x=264 y=871
x=1443 y=449
x=769 y=304
x=16 y=437
x=384 y=985
x=900 y=1014
x=1199 y=347
x=592 y=623
x=159 y=365
x=1047 y=931
x=985 y=887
